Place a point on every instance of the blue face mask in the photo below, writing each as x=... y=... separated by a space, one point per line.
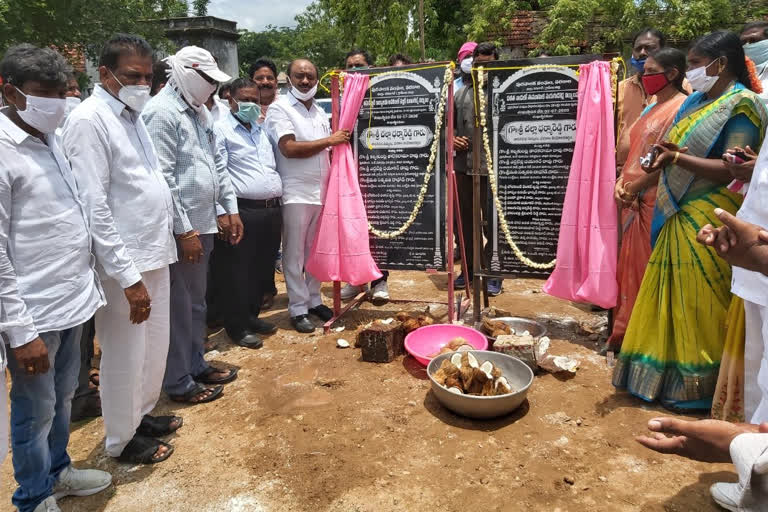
x=758 y=52
x=248 y=112
x=638 y=64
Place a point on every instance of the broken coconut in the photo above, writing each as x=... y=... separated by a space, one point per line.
x=463 y=372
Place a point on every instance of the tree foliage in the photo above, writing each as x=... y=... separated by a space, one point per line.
x=82 y=24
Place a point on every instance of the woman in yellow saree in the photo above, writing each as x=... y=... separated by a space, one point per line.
x=674 y=340
x=635 y=189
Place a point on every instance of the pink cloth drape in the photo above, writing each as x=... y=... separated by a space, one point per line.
x=341 y=250
x=588 y=244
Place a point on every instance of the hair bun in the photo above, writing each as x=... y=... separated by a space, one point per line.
x=755 y=84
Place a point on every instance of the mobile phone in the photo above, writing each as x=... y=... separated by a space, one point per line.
x=734 y=158
x=647 y=160
x=740 y=154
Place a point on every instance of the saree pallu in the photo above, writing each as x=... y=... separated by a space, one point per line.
x=675 y=337
x=635 y=247
x=674 y=340
x=728 y=402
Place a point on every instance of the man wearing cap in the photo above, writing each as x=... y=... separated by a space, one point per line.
x=464 y=58
x=181 y=129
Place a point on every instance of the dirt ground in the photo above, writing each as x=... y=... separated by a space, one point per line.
x=310 y=427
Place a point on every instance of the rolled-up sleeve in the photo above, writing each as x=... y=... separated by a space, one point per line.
x=278 y=123
x=18 y=324
x=227 y=198
x=87 y=148
x=161 y=126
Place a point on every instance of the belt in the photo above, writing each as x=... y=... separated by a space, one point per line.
x=259 y=203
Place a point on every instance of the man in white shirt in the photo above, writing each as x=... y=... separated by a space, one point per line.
x=48 y=285
x=299 y=128
x=242 y=270
x=114 y=161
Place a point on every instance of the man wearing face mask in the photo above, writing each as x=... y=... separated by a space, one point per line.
x=128 y=200
x=464 y=58
x=246 y=153
x=48 y=285
x=299 y=127
x=180 y=129
x=754 y=37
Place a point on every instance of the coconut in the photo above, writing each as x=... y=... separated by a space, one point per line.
x=489 y=389
x=502 y=386
x=456 y=360
x=487 y=368
x=453 y=381
x=472 y=360
x=475 y=386
x=456 y=390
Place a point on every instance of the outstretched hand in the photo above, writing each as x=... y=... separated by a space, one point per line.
x=738 y=242
x=704 y=440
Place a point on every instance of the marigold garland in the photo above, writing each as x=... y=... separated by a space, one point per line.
x=388 y=235
x=494 y=185
x=756 y=85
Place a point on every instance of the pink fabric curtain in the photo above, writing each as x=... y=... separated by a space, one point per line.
x=341 y=250
x=588 y=244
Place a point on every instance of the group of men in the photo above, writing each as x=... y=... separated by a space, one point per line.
x=110 y=209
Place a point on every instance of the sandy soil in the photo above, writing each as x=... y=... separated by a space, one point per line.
x=309 y=427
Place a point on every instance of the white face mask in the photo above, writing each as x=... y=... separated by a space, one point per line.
x=303 y=96
x=42 y=114
x=72 y=103
x=196 y=90
x=699 y=79
x=466 y=65
x=134 y=96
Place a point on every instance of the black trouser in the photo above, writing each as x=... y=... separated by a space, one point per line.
x=86 y=357
x=241 y=271
x=464 y=186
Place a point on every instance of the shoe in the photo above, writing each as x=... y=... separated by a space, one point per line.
x=245 y=339
x=461 y=282
x=85 y=407
x=260 y=326
x=726 y=495
x=349 y=291
x=380 y=293
x=268 y=302
x=494 y=287
x=322 y=312
x=48 y=505
x=303 y=324
x=279 y=264
x=80 y=482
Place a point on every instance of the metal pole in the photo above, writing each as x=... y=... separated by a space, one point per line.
x=421 y=31
x=477 y=235
x=450 y=183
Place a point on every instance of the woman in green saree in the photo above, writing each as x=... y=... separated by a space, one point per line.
x=675 y=336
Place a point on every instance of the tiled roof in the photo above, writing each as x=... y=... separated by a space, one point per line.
x=522 y=29
x=75 y=56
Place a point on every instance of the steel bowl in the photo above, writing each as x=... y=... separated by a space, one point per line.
x=520 y=325
x=518 y=374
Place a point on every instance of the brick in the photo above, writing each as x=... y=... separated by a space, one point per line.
x=382 y=343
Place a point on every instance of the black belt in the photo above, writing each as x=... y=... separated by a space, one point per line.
x=259 y=203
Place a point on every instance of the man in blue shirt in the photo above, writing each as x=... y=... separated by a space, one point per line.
x=245 y=152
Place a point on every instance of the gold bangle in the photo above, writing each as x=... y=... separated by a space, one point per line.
x=677 y=156
x=187 y=237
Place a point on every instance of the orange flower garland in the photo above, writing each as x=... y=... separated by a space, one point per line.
x=755 y=83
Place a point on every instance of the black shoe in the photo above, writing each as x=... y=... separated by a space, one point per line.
x=322 y=312
x=245 y=339
x=303 y=324
x=260 y=326
x=85 y=407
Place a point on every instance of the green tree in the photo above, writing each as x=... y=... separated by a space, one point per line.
x=200 y=7
x=82 y=24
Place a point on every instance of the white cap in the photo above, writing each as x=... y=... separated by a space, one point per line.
x=194 y=57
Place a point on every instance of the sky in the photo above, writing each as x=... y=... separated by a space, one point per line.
x=256 y=14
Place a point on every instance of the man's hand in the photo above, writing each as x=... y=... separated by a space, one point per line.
x=738 y=242
x=224 y=227
x=704 y=440
x=191 y=248
x=138 y=298
x=33 y=357
x=461 y=143
x=236 y=229
x=743 y=171
x=339 y=137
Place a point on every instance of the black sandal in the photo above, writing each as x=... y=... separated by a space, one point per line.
x=141 y=450
x=204 y=378
x=158 y=426
x=197 y=390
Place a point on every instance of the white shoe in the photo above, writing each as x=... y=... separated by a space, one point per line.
x=81 y=482
x=48 y=505
x=381 y=293
x=726 y=495
x=349 y=291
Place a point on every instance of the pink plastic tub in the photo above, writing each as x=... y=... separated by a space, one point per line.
x=426 y=342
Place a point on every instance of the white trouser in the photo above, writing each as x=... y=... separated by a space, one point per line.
x=299 y=227
x=3 y=414
x=132 y=357
x=755 y=363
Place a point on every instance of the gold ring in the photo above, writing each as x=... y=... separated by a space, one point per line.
x=30 y=369
x=145 y=309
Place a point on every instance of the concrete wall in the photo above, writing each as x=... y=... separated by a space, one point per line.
x=218 y=36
